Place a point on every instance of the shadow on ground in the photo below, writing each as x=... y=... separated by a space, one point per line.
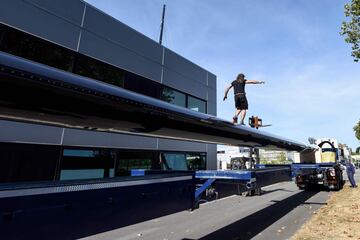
x=250 y=226
x=263 y=192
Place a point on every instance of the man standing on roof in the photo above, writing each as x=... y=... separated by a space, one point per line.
x=241 y=103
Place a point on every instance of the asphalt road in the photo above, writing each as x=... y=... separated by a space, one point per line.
x=277 y=214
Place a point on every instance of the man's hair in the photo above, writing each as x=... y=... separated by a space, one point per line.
x=240 y=76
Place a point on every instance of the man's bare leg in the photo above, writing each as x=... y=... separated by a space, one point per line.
x=235 y=118
x=243 y=114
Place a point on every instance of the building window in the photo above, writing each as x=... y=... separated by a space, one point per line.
x=142 y=85
x=36 y=49
x=87 y=164
x=174 y=161
x=183 y=161
x=196 y=104
x=32 y=162
x=196 y=161
x=27 y=162
x=172 y=96
x=126 y=161
x=91 y=68
x=30 y=47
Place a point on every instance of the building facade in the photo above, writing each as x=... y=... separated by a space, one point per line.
x=74 y=36
x=269 y=156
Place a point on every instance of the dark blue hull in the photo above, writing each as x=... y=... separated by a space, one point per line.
x=76 y=212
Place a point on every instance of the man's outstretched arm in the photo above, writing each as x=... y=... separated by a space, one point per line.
x=254 y=82
x=226 y=92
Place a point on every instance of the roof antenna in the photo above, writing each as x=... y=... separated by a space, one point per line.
x=162 y=25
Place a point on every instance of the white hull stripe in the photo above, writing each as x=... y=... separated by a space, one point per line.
x=85 y=187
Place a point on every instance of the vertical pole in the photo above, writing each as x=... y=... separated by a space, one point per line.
x=162 y=25
x=257 y=155
x=252 y=158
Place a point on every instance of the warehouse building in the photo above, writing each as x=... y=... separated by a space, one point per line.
x=74 y=36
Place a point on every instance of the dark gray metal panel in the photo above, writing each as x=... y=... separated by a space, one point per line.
x=100 y=23
x=178 y=81
x=211 y=157
x=29 y=133
x=177 y=145
x=211 y=95
x=74 y=137
x=27 y=17
x=211 y=108
x=69 y=9
x=100 y=48
x=185 y=67
x=211 y=80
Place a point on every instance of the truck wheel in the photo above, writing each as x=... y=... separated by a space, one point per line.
x=338 y=185
x=339 y=181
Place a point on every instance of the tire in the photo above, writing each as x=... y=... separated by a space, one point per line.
x=339 y=181
x=337 y=186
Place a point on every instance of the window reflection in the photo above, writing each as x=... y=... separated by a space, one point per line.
x=196 y=161
x=172 y=96
x=126 y=161
x=184 y=161
x=174 y=161
x=32 y=162
x=27 y=162
x=196 y=104
x=87 y=164
x=142 y=85
x=94 y=69
x=36 y=49
x=30 y=47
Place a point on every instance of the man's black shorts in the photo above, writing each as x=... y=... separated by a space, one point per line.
x=241 y=102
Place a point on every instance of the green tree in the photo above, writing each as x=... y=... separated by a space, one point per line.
x=264 y=160
x=357 y=150
x=351 y=29
x=357 y=130
x=281 y=158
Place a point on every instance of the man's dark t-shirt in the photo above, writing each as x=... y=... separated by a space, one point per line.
x=239 y=94
x=239 y=87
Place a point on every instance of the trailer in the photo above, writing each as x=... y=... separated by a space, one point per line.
x=39 y=203
x=211 y=183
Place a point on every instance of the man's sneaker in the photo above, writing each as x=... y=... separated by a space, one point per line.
x=242 y=123
x=235 y=119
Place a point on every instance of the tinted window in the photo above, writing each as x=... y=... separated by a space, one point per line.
x=126 y=161
x=174 y=161
x=172 y=96
x=2 y=34
x=27 y=162
x=27 y=46
x=196 y=161
x=33 y=48
x=87 y=164
x=95 y=69
x=142 y=85
x=196 y=104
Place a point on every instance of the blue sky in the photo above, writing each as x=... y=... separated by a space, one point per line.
x=312 y=83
